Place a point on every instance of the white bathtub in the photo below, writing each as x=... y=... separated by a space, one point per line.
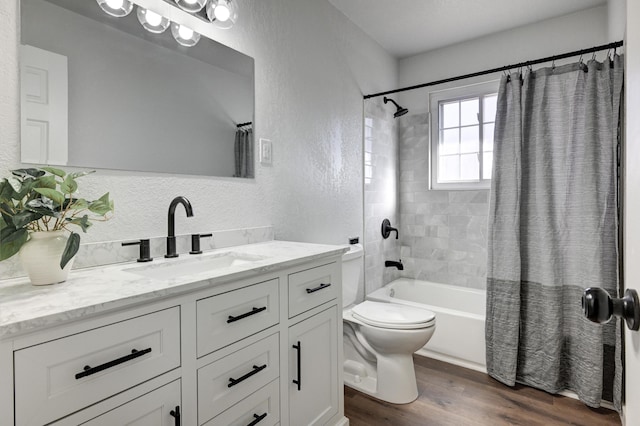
x=460 y=317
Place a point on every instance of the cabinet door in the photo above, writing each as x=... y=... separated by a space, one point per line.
x=156 y=408
x=313 y=369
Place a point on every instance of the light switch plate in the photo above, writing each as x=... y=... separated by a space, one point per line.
x=266 y=151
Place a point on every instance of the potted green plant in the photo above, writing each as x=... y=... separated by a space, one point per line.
x=37 y=207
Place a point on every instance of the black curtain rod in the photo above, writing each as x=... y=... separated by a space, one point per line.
x=248 y=123
x=504 y=68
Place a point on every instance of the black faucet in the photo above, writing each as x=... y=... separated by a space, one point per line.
x=387 y=229
x=171 y=238
x=398 y=264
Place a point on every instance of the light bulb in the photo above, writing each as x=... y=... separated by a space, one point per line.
x=152 y=21
x=221 y=11
x=117 y=8
x=191 y=6
x=115 y=4
x=185 y=33
x=153 y=18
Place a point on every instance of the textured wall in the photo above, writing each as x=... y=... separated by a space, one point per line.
x=380 y=191
x=566 y=33
x=312 y=68
x=444 y=233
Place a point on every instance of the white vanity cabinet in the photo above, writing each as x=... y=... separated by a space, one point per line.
x=219 y=354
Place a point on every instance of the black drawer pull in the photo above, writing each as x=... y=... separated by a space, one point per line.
x=258 y=419
x=176 y=415
x=298 y=348
x=256 y=369
x=247 y=314
x=320 y=287
x=93 y=370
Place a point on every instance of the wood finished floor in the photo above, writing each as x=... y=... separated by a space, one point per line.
x=455 y=396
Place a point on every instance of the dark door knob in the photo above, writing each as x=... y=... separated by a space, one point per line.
x=598 y=306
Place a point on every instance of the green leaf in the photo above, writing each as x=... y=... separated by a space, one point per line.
x=82 y=222
x=79 y=204
x=27 y=173
x=70 y=250
x=46 y=182
x=102 y=205
x=6 y=191
x=76 y=175
x=69 y=186
x=16 y=184
x=56 y=196
x=11 y=239
x=54 y=171
x=24 y=217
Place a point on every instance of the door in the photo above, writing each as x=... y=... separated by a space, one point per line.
x=313 y=369
x=631 y=216
x=44 y=106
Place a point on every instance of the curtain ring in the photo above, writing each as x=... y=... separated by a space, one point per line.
x=593 y=57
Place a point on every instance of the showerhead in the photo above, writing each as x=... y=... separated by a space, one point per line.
x=400 y=111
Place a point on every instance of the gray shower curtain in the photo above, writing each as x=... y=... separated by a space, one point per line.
x=553 y=230
x=243 y=150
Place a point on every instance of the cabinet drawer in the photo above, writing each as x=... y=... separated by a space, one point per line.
x=236 y=376
x=153 y=408
x=230 y=317
x=68 y=374
x=313 y=287
x=260 y=408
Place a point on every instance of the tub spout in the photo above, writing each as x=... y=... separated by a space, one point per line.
x=393 y=263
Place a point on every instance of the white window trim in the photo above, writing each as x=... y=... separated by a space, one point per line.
x=456 y=93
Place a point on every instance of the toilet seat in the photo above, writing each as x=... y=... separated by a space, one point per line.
x=393 y=315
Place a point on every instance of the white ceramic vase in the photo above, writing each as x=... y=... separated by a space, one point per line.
x=41 y=255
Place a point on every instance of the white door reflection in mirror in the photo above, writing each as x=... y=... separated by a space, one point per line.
x=44 y=106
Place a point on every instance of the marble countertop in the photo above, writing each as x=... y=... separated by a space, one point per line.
x=24 y=307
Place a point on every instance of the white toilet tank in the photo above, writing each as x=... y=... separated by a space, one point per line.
x=351 y=270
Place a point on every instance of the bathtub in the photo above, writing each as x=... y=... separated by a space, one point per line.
x=460 y=317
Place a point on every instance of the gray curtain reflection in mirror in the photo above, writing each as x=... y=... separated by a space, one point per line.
x=244 y=152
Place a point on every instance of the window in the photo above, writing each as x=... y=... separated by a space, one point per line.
x=462 y=124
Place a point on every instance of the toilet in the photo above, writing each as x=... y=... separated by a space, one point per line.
x=380 y=339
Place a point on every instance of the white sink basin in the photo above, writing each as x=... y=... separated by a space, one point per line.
x=175 y=268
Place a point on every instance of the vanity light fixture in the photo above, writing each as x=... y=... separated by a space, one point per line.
x=184 y=35
x=152 y=21
x=117 y=8
x=222 y=13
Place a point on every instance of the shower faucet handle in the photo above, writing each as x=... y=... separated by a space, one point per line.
x=598 y=306
x=387 y=229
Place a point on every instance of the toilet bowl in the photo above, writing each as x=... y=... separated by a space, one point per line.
x=380 y=339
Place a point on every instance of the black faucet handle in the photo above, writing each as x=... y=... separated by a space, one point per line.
x=387 y=229
x=195 y=242
x=145 y=249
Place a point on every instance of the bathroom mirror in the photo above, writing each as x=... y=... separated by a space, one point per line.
x=102 y=92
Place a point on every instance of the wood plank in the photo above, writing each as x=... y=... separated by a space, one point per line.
x=454 y=396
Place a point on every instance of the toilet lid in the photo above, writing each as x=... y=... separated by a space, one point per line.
x=393 y=315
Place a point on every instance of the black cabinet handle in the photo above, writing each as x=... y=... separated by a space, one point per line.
x=247 y=314
x=298 y=348
x=258 y=419
x=320 y=287
x=93 y=370
x=256 y=369
x=176 y=414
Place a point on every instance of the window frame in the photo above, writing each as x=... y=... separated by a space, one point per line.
x=456 y=94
